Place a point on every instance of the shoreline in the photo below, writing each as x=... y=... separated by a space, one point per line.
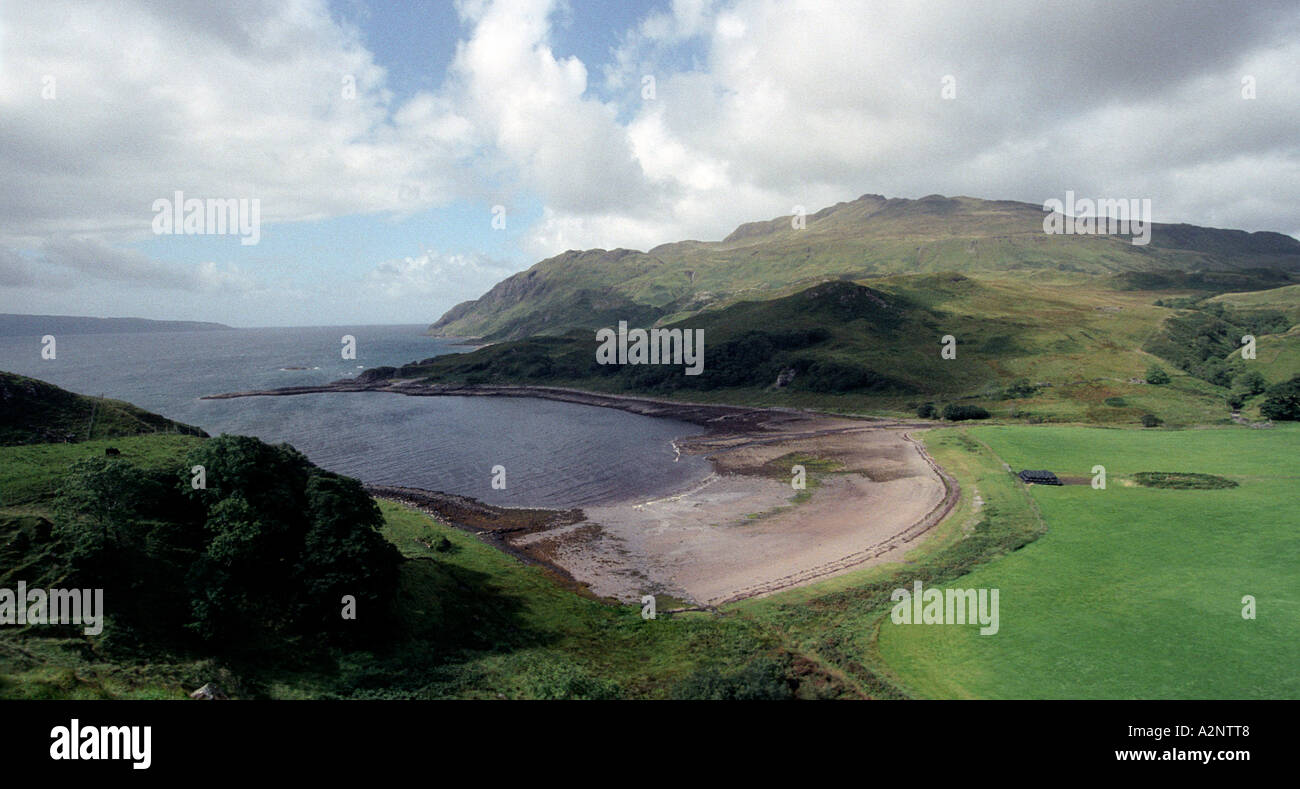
x=739 y=533
x=712 y=415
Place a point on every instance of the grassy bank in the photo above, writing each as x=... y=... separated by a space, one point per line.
x=1133 y=592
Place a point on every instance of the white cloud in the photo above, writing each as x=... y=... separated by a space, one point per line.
x=434 y=274
x=216 y=100
x=760 y=105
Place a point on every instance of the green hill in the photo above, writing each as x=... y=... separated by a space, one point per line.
x=867 y=238
x=33 y=412
x=1034 y=352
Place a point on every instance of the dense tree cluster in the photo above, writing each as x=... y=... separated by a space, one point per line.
x=1199 y=342
x=1283 y=401
x=264 y=552
x=958 y=413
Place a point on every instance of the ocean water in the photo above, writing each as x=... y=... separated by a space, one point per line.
x=554 y=454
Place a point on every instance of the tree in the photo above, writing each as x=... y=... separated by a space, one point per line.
x=1156 y=375
x=927 y=411
x=958 y=413
x=1251 y=382
x=260 y=557
x=1283 y=401
x=96 y=500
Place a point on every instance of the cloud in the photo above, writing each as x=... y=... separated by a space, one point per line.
x=809 y=103
x=63 y=260
x=433 y=274
x=108 y=108
x=15 y=270
x=759 y=105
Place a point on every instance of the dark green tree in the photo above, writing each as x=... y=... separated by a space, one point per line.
x=1283 y=401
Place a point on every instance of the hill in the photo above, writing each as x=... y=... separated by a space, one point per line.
x=1034 y=351
x=866 y=238
x=33 y=411
x=13 y=325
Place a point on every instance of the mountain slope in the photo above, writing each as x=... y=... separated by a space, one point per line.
x=33 y=411
x=868 y=237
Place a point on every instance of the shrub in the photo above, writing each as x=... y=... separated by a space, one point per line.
x=1179 y=480
x=1283 y=401
x=1151 y=420
x=762 y=679
x=1250 y=382
x=927 y=411
x=1157 y=375
x=957 y=413
x=1018 y=389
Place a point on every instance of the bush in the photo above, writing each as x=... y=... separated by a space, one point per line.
x=1151 y=420
x=957 y=413
x=1178 y=480
x=927 y=411
x=1156 y=375
x=1018 y=389
x=1250 y=382
x=763 y=679
x=1283 y=401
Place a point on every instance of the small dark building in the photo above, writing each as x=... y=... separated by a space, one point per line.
x=1038 y=477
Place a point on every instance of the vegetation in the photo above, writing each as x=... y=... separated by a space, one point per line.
x=471 y=622
x=1181 y=480
x=260 y=557
x=1283 y=401
x=1199 y=340
x=1133 y=592
x=958 y=413
x=37 y=412
x=871 y=237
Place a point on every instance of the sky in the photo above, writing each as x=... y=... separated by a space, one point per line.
x=406 y=156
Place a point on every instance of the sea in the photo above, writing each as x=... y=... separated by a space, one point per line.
x=553 y=454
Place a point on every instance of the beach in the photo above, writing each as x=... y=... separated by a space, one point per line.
x=743 y=531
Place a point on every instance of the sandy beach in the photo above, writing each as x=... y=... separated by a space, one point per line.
x=741 y=532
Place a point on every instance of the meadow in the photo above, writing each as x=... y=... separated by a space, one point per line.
x=1132 y=592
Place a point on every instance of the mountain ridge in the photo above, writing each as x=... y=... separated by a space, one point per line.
x=859 y=239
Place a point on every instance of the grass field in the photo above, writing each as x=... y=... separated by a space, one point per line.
x=1133 y=592
x=1130 y=592
x=31 y=472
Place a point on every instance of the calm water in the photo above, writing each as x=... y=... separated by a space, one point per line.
x=555 y=454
